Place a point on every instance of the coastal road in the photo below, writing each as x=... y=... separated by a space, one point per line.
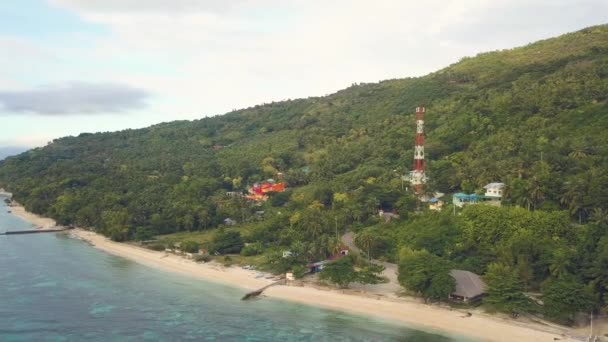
x=389 y=289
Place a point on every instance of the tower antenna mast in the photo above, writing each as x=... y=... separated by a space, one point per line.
x=417 y=175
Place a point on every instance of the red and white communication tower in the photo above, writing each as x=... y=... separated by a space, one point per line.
x=417 y=176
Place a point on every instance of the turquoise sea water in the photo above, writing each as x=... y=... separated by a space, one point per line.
x=54 y=288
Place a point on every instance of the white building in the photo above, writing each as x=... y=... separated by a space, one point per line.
x=494 y=189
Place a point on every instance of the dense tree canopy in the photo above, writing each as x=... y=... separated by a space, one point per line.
x=427 y=274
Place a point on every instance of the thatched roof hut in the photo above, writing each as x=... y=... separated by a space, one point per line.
x=469 y=286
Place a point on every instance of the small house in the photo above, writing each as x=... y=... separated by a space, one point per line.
x=287 y=254
x=494 y=193
x=342 y=252
x=494 y=190
x=469 y=286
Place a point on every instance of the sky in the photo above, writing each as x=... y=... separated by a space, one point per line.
x=73 y=66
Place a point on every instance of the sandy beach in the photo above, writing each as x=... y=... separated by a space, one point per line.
x=39 y=221
x=416 y=315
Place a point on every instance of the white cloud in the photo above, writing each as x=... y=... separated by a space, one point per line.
x=14 y=47
x=19 y=56
x=231 y=54
x=175 y=6
x=73 y=98
x=6 y=82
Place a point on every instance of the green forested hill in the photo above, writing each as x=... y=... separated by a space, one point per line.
x=533 y=117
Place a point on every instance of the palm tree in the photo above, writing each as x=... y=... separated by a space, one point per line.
x=314 y=228
x=560 y=262
x=366 y=239
x=599 y=216
x=525 y=200
x=519 y=168
x=536 y=192
x=579 y=151
x=356 y=214
x=573 y=199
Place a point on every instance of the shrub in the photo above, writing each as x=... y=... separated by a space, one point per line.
x=298 y=271
x=225 y=242
x=156 y=247
x=276 y=264
x=190 y=246
x=142 y=234
x=252 y=249
x=202 y=258
x=340 y=272
x=227 y=261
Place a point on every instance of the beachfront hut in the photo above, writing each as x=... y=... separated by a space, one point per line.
x=469 y=286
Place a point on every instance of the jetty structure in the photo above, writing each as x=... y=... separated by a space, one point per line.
x=256 y=293
x=36 y=231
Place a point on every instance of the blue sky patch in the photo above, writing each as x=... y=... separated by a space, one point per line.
x=38 y=20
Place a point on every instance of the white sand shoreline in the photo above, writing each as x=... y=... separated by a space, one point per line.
x=38 y=221
x=415 y=315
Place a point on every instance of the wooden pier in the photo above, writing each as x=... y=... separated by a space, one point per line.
x=35 y=231
x=258 y=292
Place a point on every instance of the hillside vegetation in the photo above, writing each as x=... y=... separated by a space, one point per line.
x=532 y=117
